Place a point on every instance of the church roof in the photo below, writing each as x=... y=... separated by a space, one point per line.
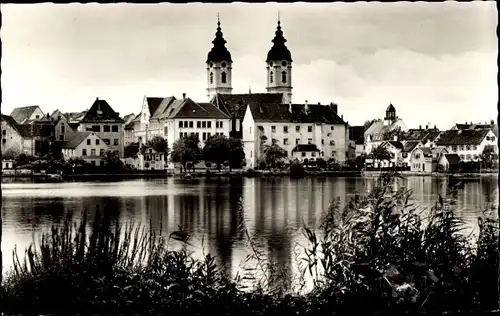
x=279 y=51
x=391 y=108
x=235 y=105
x=219 y=51
x=101 y=111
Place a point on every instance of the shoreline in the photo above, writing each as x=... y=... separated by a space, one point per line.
x=240 y=173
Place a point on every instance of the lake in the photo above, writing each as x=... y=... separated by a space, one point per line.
x=275 y=209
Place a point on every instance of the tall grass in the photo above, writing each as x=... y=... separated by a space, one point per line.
x=377 y=249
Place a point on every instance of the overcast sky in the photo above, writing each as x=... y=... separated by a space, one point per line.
x=436 y=62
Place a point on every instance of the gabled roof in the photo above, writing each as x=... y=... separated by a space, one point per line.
x=235 y=105
x=153 y=103
x=357 y=134
x=21 y=114
x=462 y=137
x=426 y=151
x=191 y=109
x=280 y=113
x=101 y=111
x=128 y=118
x=74 y=126
x=75 y=116
x=395 y=144
x=76 y=140
x=379 y=128
x=164 y=104
x=409 y=145
x=10 y=120
x=453 y=159
x=305 y=147
x=36 y=130
x=423 y=135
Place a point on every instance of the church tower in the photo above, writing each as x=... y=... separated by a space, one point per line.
x=219 y=66
x=390 y=115
x=279 y=67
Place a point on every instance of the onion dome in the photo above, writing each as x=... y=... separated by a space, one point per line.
x=390 y=108
x=219 y=52
x=279 y=51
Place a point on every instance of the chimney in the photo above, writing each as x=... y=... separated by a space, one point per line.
x=435 y=128
x=290 y=107
x=420 y=127
x=306 y=106
x=183 y=96
x=426 y=126
x=319 y=103
x=334 y=106
x=97 y=98
x=250 y=90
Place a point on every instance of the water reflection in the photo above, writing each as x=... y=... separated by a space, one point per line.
x=274 y=209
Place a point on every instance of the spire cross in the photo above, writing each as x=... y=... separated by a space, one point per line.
x=218 y=19
x=278 y=17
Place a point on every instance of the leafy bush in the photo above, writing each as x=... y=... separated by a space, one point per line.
x=297 y=170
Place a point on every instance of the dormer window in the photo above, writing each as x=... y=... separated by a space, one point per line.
x=223 y=77
x=283 y=77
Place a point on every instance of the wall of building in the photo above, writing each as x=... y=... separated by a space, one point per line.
x=36 y=115
x=250 y=140
x=94 y=146
x=63 y=131
x=116 y=139
x=12 y=142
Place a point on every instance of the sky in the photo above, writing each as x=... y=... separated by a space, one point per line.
x=435 y=62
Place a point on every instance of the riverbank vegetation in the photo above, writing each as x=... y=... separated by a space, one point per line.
x=377 y=249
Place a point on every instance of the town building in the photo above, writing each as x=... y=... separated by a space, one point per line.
x=471 y=125
x=426 y=159
x=86 y=145
x=106 y=123
x=468 y=144
x=36 y=137
x=376 y=133
x=289 y=125
x=449 y=162
x=64 y=130
x=27 y=114
x=427 y=136
x=395 y=148
x=12 y=139
x=357 y=135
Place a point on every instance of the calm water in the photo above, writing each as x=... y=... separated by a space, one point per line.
x=275 y=209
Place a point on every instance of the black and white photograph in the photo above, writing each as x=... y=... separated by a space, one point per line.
x=249 y=158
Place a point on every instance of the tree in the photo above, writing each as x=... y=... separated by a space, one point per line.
x=112 y=162
x=321 y=163
x=131 y=150
x=186 y=150
x=487 y=156
x=159 y=144
x=395 y=132
x=381 y=153
x=216 y=150
x=236 y=153
x=274 y=153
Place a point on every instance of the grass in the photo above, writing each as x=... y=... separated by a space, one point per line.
x=379 y=250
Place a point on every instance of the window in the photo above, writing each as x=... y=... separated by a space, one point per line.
x=180 y=135
x=273 y=129
x=114 y=129
x=492 y=138
x=461 y=147
x=84 y=152
x=106 y=141
x=271 y=77
x=416 y=155
x=285 y=129
x=285 y=141
x=297 y=128
x=198 y=135
x=309 y=140
x=468 y=157
x=203 y=124
x=61 y=137
x=165 y=130
x=467 y=147
x=454 y=148
x=313 y=154
x=88 y=141
x=208 y=135
x=331 y=127
x=334 y=153
x=186 y=124
x=329 y=134
x=204 y=136
x=97 y=142
x=309 y=129
x=303 y=154
x=332 y=142
x=322 y=153
x=115 y=142
x=37 y=116
x=211 y=77
x=101 y=152
x=96 y=128
x=180 y=124
x=209 y=124
x=322 y=142
x=191 y=124
x=198 y=124
x=62 y=129
x=4 y=132
x=297 y=141
x=250 y=130
x=220 y=124
x=92 y=152
x=283 y=77
x=223 y=76
x=106 y=128
x=4 y=140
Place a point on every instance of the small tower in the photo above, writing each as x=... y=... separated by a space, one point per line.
x=219 y=64
x=390 y=115
x=279 y=67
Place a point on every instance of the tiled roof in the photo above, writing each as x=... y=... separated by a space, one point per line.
x=280 y=113
x=76 y=140
x=378 y=128
x=305 y=147
x=164 y=104
x=21 y=114
x=396 y=144
x=10 y=120
x=191 y=109
x=128 y=118
x=153 y=104
x=409 y=145
x=462 y=137
x=423 y=135
x=137 y=118
x=452 y=158
x=235 y=105
x=36 y=130
x=357 y=133
x=171 y=109
x=101 y=111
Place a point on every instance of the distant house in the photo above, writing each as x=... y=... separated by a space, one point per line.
x=408 y=147
x=57 y=115
x=64 y=130
x=106 y=123
x=27 y=114
x=37 y=137
x=449 y=162
x=428 y=136
x=357 y=134
x=12 y=139
x=375 y=133
x=470 y=125
x=235 y=105
x=305 y=151
x=426 y=159
x=7 y=164
x=395 y=148
x=152 y=160
x=128 y=131
x=86 y=145
x=468 y=143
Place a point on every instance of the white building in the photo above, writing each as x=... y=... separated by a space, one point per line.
x=27 y=114
x=468 y=144
x=86 y=145
x=291 y=125
x=374 y=134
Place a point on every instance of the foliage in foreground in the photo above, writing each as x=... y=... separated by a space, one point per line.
x=376 y=249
